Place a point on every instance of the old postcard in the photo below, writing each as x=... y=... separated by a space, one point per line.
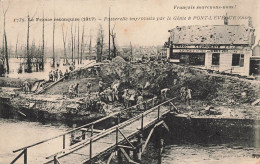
x=140 y=81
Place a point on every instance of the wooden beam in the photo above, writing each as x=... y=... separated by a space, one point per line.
x=126 y=138
x=151 y=132
x=127 y=157
x=110 y=157
x=148 y=138
x=17 y=157
x=126 y=147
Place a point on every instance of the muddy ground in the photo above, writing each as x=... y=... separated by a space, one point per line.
x=228 y=96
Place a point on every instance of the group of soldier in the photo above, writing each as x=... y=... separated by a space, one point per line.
x=55 y=75
x=132 y=98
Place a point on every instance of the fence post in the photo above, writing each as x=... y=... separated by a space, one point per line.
x=153 y=102
x=64 y=141
x=92 y=126
x=145 y=105
x=55 y=160
x=116 y=135
x=158 y=113
x=83 y=134
x=25 y=156
x=118 y=118
x=90 y=149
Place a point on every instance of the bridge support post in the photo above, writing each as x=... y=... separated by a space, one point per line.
x=137 y=153
x=119 y=156
x=90 y=150
x=64 y=143
x=25 y=156
x=118 y=119
x=160 y=143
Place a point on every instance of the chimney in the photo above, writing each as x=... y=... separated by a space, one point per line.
x=250 y=22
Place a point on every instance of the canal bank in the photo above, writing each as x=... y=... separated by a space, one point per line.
x=207 y=140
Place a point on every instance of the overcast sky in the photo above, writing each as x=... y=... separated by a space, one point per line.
x=149 y=32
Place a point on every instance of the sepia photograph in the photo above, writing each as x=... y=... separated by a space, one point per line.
x=129 y=82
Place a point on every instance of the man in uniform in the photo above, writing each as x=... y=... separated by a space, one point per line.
x=100 y=84
x=89 y=85
x=188 y=96
x=26 y=87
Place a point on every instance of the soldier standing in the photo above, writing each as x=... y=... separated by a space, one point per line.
x=188 y=96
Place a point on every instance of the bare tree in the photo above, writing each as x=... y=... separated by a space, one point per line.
x=72 y=52
x=53 y=37
x=78 y=43
x=82 y=45
x=64 y=37
x=113 y=40
x=16 y=53
x=109 y=34
x=131 y=53
x=28 y=54
x=42 y=62
x=90 y=44
x=29 y=66
x=100 y=41
x=5 y=38
x=74 y=42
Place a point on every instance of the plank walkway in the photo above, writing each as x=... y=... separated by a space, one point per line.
x=94 y=147
x=107 y=140
x=91 y=64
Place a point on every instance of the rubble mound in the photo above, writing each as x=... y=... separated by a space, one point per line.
x=118 y=60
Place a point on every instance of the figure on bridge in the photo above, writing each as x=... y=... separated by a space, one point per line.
x=51 y=76
x=26 y=87
x=140 y=100
x=56 y=75
x=66 y=74
x=61 y=74
x=164 y=93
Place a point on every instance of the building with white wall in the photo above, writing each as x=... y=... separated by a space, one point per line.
x=223 y=48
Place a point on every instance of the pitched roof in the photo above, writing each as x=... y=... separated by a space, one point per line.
x=212 y=34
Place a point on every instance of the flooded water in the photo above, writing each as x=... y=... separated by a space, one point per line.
x=16 y=134
x=183 y=152
x=228 y=153
x=15 y=65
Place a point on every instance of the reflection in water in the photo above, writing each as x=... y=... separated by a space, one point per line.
x=15 y=71
x=16 y=134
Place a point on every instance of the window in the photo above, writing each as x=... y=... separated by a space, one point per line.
x=238 y=60
x=175 y=56
x=215 y=59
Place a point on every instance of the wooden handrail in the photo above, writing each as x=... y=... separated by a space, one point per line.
x=78 y=128
x=110 y=130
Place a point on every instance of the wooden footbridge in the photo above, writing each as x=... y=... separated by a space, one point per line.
x=94 y=144
x=91 y=64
